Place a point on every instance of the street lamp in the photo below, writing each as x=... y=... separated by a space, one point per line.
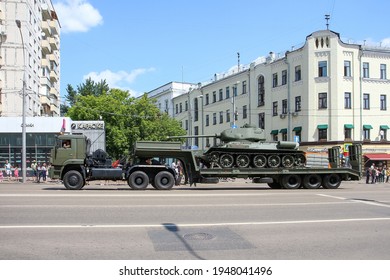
x=235 y=89
x=201 y=97
x=24 y=165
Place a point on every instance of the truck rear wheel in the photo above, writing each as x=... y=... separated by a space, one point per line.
x=73 y=180
x=138 y=180
x=164 y=180
x=331 y=181
x=291 y=181
x=312 y=181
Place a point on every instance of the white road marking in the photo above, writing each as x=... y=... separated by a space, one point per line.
x=358 y=200
x=194 y=225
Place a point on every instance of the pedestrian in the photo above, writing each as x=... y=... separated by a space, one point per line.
x=16 y=173
x=373 y=173
x=34 y=168
x=7 y=167
x=1 y=176
x=368 y=175
x=42 y=172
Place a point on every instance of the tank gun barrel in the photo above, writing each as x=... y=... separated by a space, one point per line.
x=192 y=136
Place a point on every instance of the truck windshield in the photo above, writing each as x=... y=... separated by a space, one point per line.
x=88 y=145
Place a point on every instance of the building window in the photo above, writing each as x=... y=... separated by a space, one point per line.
x=298 y=104
x=322 y=100
x=186 y=124
x=347 y=68
x=235 y=91
x=383 y=72
x=227 y=92
x=244 y=111
x=347 y=100
x=383 y=102
x=322 y=134
x=260 y=91
x=207 y=99
x=221 y=117
x=220 y=94
x=284 y=136
x=186 y=106
x=196 y=110
x=284 y=106
x=366 y=70
x=177 y=108
x=244 y=87
x=275 y=108
x=298 y=73
x=322 y=69
x=366 y=101
x=181 y=107
x=383 y=133
x=366 y=133
x=214 y=118
x=214 y=96
x=207 y=120
x=284 y=77
x=347 y=133
x=274 y=79
x=262 y=120
x=227 y=115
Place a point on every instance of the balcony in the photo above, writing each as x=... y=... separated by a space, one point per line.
x=54 y=93
x=46 y=13
x=45 y=100
x=53 y=44
x=46 y=49
x=46 y=28
x=54 y=27
x=53 y=76
x=45 y=63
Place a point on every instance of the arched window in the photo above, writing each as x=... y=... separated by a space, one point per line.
x=260 y=91
x=196 y=110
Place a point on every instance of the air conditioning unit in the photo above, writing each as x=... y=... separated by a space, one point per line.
x=282 y=116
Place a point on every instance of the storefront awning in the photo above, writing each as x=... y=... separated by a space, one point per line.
x=367 y=126
x=384 y=127
x=283 y=130
x=380 y=156
x=348 y=126
x=297 y=128
x=275 y=131
x=322 y=126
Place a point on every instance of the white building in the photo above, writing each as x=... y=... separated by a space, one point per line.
x=30 y=54
x=325 y=93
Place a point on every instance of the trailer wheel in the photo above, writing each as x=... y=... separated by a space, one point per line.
x=164 y=180
x=312 y=181
x=138 y=180
x=331 y=181
x=73 y=180
x=291 y=181
x=274 y=185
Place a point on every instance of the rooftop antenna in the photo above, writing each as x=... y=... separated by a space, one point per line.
x=327 y=18
x=238 y=61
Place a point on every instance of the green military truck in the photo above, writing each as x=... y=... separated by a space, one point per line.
x=75 y=166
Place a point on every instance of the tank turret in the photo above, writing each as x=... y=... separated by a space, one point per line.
x=246 y=147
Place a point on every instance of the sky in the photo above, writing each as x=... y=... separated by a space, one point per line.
x=139 y=45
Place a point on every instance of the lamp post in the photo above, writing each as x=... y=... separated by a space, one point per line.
x=24 y=165
x=202 y=139
x=235 y=89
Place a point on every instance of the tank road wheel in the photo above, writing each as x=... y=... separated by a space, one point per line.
x=226 y=161
x=274 y=161
x=138 y=180
x=331 y=181
x=73 y=180
x=274 y=185
x=312 y=181
x=287 y=161
x=300 y=160
x=164 y=180
x=259 y=161
x=214 y=157
x=242 y=161
x=291 y=181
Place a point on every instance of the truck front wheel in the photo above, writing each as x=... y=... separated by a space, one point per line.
x=164 y=180
x=73 y=180
x=138 y=180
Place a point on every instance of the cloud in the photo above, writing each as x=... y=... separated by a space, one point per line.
x=386 y=42
x=121 y=79
x=77 y=15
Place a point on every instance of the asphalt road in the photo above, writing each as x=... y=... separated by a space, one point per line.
x=235 y=220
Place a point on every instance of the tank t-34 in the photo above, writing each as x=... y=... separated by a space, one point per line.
x=246 y=147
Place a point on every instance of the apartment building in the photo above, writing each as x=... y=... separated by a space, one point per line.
x=29 y=55
x=325 y=93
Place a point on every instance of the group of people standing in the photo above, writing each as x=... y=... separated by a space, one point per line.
x=377 y=174
x=11 y=173
x=8 y=172
x=40 y=171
